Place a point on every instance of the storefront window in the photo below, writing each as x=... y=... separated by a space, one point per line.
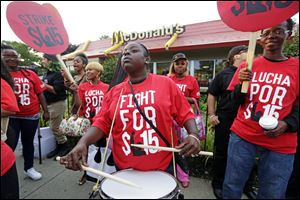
x=203 y=70
x=219 y=65
x=161 y=67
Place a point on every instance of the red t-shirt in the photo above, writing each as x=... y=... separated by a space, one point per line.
x=92 y=97
x=188 y=86
x=272 y=91
x=8 y=98
x=8 y=102
x=161 y=101
x=8 y=158
x=26 y=89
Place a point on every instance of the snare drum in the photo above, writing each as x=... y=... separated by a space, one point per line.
x=154 y=185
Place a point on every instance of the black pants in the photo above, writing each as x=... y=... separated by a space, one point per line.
x=10 y=184
x=27 y=128
x=222 y=133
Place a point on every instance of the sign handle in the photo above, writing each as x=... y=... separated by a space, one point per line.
x=64 y=68
x=250 y=57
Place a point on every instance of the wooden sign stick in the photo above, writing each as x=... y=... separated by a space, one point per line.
x=250 y=57
x=64 y=68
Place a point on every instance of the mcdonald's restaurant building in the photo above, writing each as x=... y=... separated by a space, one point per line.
x=205 y=44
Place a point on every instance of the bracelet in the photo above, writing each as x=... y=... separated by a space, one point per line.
x=195 y=137
x=211 y=116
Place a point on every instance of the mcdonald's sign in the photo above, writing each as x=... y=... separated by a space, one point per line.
x=120 y=36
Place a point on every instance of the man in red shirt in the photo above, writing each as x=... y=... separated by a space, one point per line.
x=273 y=91
x=160 y=100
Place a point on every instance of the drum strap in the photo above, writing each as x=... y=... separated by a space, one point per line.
x=144 y=116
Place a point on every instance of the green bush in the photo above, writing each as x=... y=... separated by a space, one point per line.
x=109 y=66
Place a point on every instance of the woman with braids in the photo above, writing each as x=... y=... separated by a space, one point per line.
x=9 y=106
x=29 y=92
x=159 y=99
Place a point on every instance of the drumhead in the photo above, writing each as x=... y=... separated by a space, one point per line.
x=154 y=185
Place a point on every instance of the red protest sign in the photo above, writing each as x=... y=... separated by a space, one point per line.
x=39 y=26
x=252 y=16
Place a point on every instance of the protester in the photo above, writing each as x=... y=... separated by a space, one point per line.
x=159 y=98
x=29 y=92
x=188 y=85
x=79 y=63
x=97 y=159
x=55 y=95
x=9 y=106
x=273 y=91
x=91 y=93
x=222 y=118
x=179 y=74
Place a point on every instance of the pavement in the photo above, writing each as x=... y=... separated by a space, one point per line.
x=60 y=183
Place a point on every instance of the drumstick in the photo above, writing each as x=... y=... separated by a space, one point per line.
x=106 y=175
x=64 y=68
x=205 y=153
x=110 y=131
x=173 y=154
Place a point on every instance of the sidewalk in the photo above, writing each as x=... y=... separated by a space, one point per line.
x=60 y=183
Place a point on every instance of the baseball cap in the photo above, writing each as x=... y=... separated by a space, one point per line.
x=236 y=50
x=179 y=56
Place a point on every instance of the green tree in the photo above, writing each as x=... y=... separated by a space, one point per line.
x=109 y=66
x=30 y=57
x=291 y=47
x=27 y=54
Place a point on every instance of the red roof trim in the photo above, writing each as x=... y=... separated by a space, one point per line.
x=212 y=34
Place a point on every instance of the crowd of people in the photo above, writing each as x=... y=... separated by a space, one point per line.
x=138 y=107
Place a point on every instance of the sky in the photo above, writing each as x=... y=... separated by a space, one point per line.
x=89 y=20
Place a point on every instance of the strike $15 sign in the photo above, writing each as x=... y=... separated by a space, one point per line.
x=39 y=26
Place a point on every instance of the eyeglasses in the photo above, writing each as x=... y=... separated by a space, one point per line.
x=276 y=32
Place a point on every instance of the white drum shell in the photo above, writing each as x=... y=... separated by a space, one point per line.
x=154 y=185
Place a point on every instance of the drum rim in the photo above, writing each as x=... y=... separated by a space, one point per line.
x=175 y=191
